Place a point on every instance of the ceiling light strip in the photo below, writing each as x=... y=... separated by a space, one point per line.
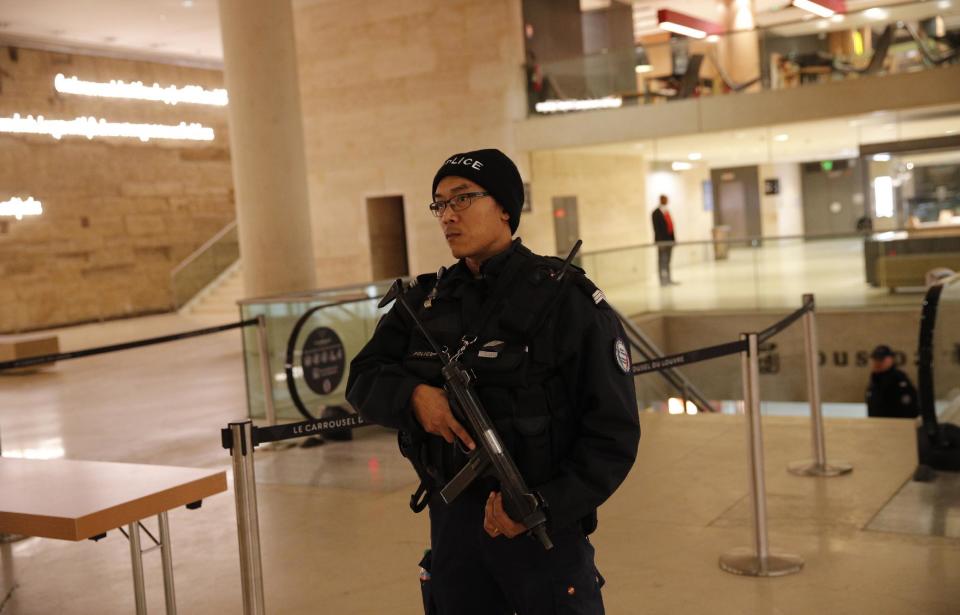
x=91 y=127
x=812 y=7
x=18 y=208
x=170 y=95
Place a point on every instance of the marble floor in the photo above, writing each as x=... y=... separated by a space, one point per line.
x=338 y=537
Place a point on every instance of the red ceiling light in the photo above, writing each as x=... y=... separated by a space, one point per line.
x=822 y=8
x=687 y=25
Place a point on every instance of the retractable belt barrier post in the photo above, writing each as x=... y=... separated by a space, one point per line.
x=757 y=561
x=241 y=438
x=818 y=466
x=266 y=380
x=248 y=525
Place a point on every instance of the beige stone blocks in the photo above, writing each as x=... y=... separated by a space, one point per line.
x=119 y=214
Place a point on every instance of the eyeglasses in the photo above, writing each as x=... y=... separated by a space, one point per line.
x=457 y=203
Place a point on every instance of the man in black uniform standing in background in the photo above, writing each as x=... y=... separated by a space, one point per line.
x=664 y=237
x=890 y=393
x=552 y=371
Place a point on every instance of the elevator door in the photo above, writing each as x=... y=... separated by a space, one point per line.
x=388 y=237
x=566 y=225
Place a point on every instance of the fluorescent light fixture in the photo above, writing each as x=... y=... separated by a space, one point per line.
x=837 y=18
x=694 y=155
x=18 y=208
x=589 y=104
x=713 y=38
x=170 y=94
x=883 y=196
x=676 y=28
x=820 y=9
x=875 y=13
x=681 y=166
x=643 y=68
x=686 y=25
x=881 y=157
x=782 y=137
x=91 y=127
x=943 y=4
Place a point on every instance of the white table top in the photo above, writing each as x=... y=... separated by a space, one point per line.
x=74 y=500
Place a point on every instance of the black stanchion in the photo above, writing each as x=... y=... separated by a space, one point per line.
x=63 y=356
x=777 y=327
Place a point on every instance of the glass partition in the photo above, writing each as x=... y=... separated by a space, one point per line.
x=946 y=352
x=753 y=273
x=205 y=265
x=321 y=349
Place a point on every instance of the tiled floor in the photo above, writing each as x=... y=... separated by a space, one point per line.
x=338 y=537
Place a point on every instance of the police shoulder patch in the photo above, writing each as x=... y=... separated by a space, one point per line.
x=621 y=356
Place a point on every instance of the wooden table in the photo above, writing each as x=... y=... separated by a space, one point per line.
x=76 y=500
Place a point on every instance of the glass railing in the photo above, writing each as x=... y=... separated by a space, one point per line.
x=204 y=266
x=312 y=337
x=899 y=38
x=320 y=349
x=946 y=352
x=844 y=271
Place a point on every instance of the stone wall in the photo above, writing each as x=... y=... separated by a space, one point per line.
x=119 y=214
x=389 y=90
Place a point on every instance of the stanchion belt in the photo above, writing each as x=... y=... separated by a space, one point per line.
x=694 y=356
x=297 y=430
x=63 y=356
x=783 y=324
x=713 y=352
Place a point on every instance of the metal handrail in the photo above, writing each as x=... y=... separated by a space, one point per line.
x=203 y=248
x=639 y=340
x=746 y=239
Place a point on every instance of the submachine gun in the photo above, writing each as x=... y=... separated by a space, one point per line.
x=490 y=457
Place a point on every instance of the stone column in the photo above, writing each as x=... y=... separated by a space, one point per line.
x=739 y=49
x=266 y=144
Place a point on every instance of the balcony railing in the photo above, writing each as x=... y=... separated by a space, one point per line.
x=906 y=37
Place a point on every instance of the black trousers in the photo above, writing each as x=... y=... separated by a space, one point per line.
x=663 y=260
x=473 y=574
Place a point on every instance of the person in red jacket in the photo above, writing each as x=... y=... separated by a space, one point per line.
x=664 y=236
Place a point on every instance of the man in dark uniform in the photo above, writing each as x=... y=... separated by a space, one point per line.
x=553 y=372
x=664 y=236
x=890 y=393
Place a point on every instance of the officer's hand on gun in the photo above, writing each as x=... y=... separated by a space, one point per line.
x=496 y=522
x=432 y=410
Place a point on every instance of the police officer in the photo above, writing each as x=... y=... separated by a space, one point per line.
x=890 y=393
x=552 y=371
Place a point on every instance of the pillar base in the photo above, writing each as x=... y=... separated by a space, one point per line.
x=744 y=561
x=808 y=467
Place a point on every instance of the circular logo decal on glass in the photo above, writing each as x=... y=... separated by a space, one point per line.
x=323 y=359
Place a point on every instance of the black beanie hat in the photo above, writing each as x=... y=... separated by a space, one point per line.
x=494 y=172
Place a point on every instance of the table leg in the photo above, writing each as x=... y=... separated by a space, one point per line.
x=166 y=556
x=9 y=579
x=136 y=559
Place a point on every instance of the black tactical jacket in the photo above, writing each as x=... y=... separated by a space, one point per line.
x=547 y=367
x=891 y=394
